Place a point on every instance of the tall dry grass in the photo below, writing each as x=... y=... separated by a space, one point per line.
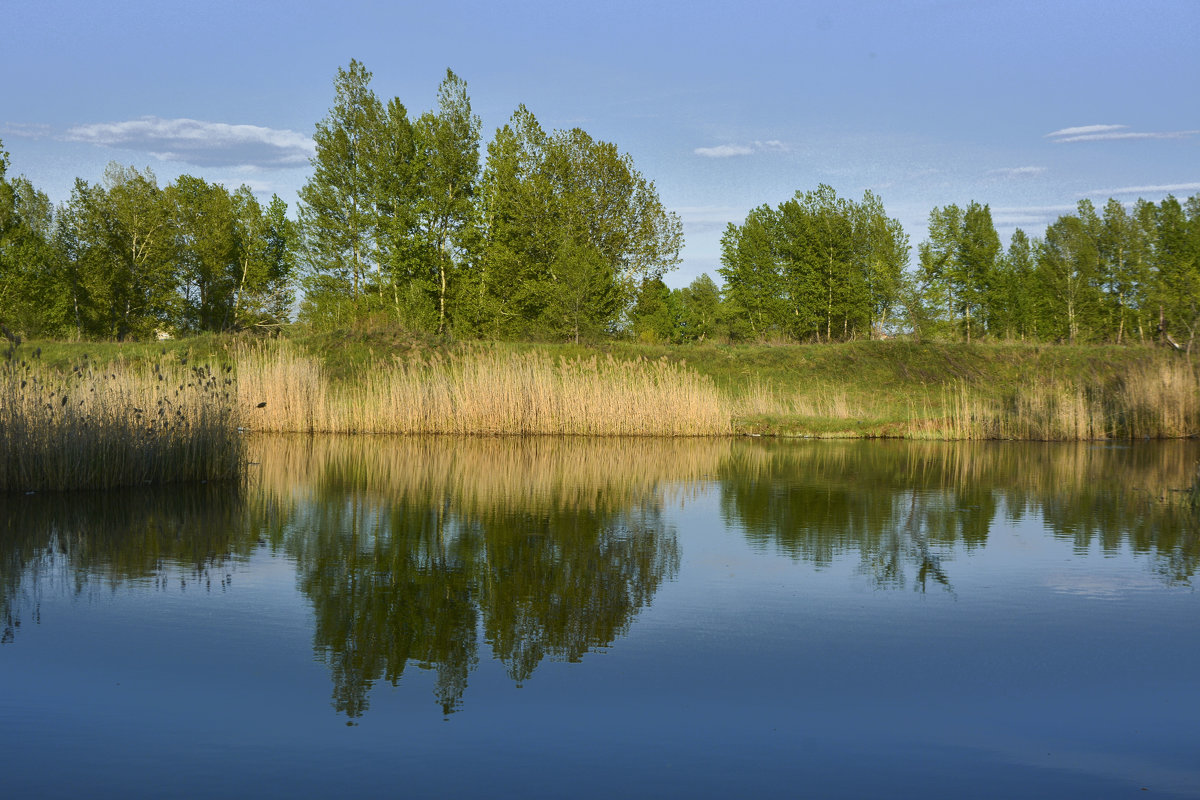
x=1155 y=401
x=480 y=391
x=102 y=426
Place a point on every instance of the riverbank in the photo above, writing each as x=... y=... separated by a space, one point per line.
x=389 y=382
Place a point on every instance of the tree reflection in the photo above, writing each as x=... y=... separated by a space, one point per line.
x=407 y=547
x=111 y=538
x=418 y=552
x=905 y=509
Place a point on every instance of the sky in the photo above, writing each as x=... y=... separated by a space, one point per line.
x=1027 y=107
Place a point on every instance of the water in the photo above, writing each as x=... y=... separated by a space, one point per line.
x=550 y=618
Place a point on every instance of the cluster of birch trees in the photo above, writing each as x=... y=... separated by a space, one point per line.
x=1112 y=276
x=821 y=268
x=126 y=258
x=551 y=236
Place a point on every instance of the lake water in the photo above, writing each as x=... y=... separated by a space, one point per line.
x=578 y=618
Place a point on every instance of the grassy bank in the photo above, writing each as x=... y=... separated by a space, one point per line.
x=879 y=389
x=388 y=382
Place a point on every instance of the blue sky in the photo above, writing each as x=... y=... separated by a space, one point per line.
x=1028 y=107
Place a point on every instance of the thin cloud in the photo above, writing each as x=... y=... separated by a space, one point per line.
x=1084 y=130
x=1106 y=133
x=699 y=219
x=724 y=151
x=1016 y=216
x=204 y=144
x=1017 y=172
x=1164 y=188
x=26 y=130
x=732 y=150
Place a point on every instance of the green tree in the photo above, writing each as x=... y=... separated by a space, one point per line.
x=122 y=244
x=31 y=294
x=817 y=266
x=561 y=212
x=448 y=152
x=749 y=267
x=337 y=209
x=1177 y=267
x=655 y=316
x=1068 y=263
x=701 y=315
x=266 y=261
x=206 y=252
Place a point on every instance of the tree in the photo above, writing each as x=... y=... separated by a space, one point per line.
x=817 y=266
x=121 y=240
x=31 y=298
x=979 y=251
x=557 y=208
x=655 y=314
x=753 y=284
x=1177 y=264
x=337 y=211
x=701 y=315
x=448 y=155
x=266 y=247
x=1068 y=262
x=207 y=252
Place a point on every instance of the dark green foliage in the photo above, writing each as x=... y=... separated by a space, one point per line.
x=818 y=267
x=569 y=229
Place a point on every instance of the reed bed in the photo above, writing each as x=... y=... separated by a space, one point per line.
x=1152 y=401
x=95 y=426
x=481 y=391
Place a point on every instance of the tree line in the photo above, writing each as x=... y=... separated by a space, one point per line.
x=126 y=258
x=554 y=235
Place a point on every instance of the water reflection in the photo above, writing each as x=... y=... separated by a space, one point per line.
x=408 y=547
x=90 y=540
x=424 y=552
x=906 y=509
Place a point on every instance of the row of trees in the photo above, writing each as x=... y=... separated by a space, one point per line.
x=126 y=258
x=1098 y=277
x=551 y=237
x=555 y=235
x=818 y=268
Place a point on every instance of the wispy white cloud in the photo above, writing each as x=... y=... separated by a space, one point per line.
x=1082 y=130
x=732 y=150
x=724 y=151
x=26 y=130
x=1017 y=216
x=699 y=219
x=206 y=144
x=1017 y=172
x=1162 y=188
x=1101 y=137
x=1103 y=133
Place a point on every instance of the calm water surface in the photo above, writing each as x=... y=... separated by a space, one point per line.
x=577 y=618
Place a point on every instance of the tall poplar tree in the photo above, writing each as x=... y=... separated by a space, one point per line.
x=337 y=205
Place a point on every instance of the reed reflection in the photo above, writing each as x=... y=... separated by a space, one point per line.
x=187 y=536
x=407 y=547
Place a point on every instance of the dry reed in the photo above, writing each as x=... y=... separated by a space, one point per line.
x=1152 y=401
x=481 y=391
x=101 y=426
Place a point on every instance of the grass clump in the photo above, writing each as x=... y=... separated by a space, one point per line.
x=99 y=426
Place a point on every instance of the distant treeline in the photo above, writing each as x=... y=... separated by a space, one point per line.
x=411 y=221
